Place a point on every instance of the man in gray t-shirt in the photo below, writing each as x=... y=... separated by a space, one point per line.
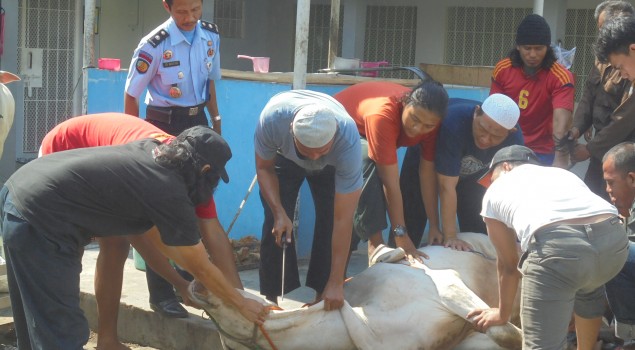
x=308 y=135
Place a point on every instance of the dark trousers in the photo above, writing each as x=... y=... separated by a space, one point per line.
x=160 y=289
x=322 y=185
x=469 y=199
x=43 y=277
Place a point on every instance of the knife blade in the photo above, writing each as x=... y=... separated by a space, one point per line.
x=284 y=258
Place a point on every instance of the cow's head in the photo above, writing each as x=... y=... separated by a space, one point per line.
x=235 y=330
x=7 y=106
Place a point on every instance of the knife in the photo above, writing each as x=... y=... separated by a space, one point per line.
x=284 y=256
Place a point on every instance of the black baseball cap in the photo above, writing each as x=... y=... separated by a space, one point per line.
x=208 y=147
x=513 y=153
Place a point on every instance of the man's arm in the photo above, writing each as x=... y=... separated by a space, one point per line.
x=344 y=207
x=389 y=175
x=430 y=197
x=504 y=240
x=621 y=128
x=561 y=123
x=270 y=189
x=194 y=260
x=212 y=107
x=130 y=105
x=583 y=117
x=447 y=196
x=220 y=249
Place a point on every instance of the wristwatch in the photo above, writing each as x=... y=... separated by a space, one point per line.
x=399 y=231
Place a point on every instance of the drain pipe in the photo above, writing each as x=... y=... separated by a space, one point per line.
x=89 y=49
x=301 y=44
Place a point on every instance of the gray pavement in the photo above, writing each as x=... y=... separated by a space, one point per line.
x=139 y=324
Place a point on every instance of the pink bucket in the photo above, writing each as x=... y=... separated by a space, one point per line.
x=261 y=64
x=372 y=65
x=109 y=63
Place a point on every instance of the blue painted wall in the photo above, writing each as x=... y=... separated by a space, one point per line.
x=240 y=103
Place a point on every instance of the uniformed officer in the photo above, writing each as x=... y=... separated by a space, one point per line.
x=178 y=63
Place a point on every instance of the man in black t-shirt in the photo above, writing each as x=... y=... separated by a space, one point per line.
x=52 y=206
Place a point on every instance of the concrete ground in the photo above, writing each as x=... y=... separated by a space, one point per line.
x=140 y=325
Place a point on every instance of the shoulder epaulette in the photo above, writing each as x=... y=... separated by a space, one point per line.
x=503 y=64
x=158 y=37
x=212 y=27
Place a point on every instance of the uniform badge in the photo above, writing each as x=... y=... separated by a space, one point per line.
x=210 y=52
x=167 y=54
x=175 y=92
x=145 y=55
x=209 y=43
x=142 y=65
x=180 y=75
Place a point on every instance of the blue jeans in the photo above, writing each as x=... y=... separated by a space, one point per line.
x=43 y=277
x=620 y=292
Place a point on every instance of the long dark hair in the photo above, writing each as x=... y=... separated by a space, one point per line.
x=175 y=155
x=429 y=94
x=547 y=62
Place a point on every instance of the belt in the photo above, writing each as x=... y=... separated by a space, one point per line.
x=165 y=114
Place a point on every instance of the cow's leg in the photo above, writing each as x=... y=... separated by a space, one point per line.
x=460 y=299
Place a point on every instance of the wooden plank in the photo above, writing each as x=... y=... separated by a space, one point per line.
x=459 y=75
x=312 y=78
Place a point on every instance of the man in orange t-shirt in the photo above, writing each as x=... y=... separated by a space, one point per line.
x=389 y=116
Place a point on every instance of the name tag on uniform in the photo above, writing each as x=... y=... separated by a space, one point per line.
x=171 y=64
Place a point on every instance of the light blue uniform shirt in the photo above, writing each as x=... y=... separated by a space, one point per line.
x=174 y=62
x=273 y=136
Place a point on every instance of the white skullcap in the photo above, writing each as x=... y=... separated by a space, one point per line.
x=314 y=126
x=502 y=109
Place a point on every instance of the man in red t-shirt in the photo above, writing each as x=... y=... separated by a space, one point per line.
x=110 y=129
x=542 y=88
x=389 y=116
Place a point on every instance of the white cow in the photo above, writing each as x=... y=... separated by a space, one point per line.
x=7 y=106
x=389 y=306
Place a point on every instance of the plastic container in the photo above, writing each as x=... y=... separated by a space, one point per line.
x=139 y=263
x=372 y=65
x=109 y=64
x=346 y=63
x=260 y=64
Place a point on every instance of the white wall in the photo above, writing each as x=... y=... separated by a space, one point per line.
x=270 y=27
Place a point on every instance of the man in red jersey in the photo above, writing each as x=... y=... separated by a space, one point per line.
x=109 y=129
x=543 y=89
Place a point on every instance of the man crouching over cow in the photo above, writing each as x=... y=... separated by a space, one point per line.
x=52 y=206
x=573 y=243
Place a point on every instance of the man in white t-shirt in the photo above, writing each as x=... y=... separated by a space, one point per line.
x=572 y=243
